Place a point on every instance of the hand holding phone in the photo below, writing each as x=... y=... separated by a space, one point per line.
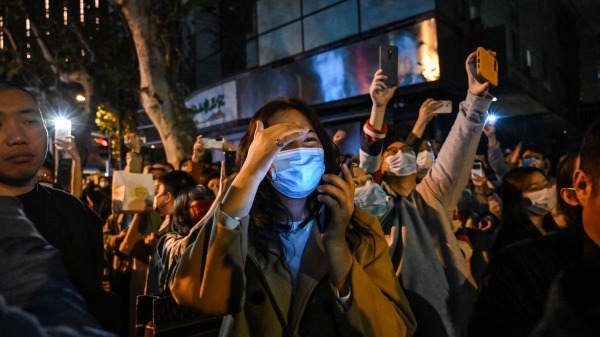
x=388 y=63
x=325 y=214
x=487 y=66
x=445 y=108
x=477 y=169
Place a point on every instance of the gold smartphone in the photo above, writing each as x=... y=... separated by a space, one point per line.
x=487 y=66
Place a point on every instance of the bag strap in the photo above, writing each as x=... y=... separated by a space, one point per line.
x=265 y=284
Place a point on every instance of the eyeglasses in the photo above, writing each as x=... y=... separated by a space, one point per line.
x=405 y=149
x=361 y=181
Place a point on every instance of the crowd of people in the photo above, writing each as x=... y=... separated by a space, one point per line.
x=406 y=239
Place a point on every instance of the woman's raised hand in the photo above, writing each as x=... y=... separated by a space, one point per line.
x=338 y=195
x=266 y=144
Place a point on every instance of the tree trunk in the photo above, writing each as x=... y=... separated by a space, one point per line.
x=158 y=94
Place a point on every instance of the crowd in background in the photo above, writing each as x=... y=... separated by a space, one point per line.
x=406 y=239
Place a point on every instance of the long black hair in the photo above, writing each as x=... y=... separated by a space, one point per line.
x=181 y=222
x=267 y=207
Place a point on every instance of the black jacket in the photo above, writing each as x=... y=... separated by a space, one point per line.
x=515 y=289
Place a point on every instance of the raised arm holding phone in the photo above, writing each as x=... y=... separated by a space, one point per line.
x=69 y=146
x=428 y=260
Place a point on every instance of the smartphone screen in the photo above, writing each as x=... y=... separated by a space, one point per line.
x=62 y=129
x=388 y=62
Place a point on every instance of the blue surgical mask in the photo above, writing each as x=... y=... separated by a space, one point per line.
x=296 y=173
x=402 y=164
x=371 y=197
x=532 y=162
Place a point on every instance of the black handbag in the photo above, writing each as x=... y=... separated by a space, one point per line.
x=161 y=316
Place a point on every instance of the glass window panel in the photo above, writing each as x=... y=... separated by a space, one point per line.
x=310 y=6
x=377 y=13
x=251 y=53
x=331 y=25
x=280 y=43
x=274 y=13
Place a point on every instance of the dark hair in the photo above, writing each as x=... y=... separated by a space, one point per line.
x=532 y=147
x=7 y=85
x=391 y=140
x=564 y=179
x=176 y=181
x=207 y=175
x=182 y=162
x=589 y=161
x=267 y=207
x=181 y=221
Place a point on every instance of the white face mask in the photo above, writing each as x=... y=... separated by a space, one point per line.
x=371 y=197
x=543 y=201
x=103 y=184
x=425 y=160
x=401 y=164
x=296 y=173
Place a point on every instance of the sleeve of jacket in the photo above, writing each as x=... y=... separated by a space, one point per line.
x=505 y=305
x=35 y=278
x=109 y=229
x=445 y=181
x=414 y=142
x=497 y=161
x=210 y=273
x=379 y=306
x=371 y=147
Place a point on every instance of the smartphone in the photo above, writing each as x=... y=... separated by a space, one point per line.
x=477 y=169
x=324 y=213
x=212 y=143
x=487 y=66
x=126 y=139
x=229 y=162
x=62 y=129
x=446 y=108
x=388 y=62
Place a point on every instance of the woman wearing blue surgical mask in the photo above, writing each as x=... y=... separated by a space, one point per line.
x=268 y=267
x=527 y=198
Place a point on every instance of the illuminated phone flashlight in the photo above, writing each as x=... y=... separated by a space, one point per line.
x=62 y=128
x=491 y=119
